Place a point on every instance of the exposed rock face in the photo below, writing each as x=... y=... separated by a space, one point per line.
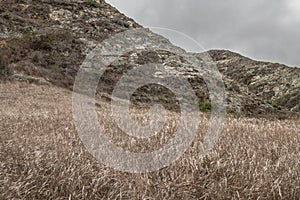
x=49 y=39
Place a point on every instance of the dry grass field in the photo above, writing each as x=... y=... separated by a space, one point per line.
x=42 y=157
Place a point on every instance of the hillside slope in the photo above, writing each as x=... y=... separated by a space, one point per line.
x=46 y=42
x=269 y=84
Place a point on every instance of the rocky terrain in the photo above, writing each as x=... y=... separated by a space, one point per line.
x=264 y=84
x=45 y=42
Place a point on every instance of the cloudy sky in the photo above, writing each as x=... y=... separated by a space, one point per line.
x=266 y=30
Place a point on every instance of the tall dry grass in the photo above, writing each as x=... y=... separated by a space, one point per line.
x=42 y=157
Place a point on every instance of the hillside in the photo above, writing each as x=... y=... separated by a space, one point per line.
x=264 y=84
x=46 y=42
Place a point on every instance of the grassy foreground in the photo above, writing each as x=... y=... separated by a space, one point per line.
x=42 y=157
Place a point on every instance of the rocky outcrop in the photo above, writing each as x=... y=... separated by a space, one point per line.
x=48 y=41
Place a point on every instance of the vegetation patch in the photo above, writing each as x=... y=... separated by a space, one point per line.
x=234 y=87
x=121 y=23
x=94 y=4
x=281 y=101
x=98 y=76
x=28 y=31
x=247 y=81
x=205 y=106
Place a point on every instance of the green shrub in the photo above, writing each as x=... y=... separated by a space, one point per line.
x=28 y=31
x=121 y=23
x=247 y=81
x=94 y=4
x=275 y=103
x=220 y=83
x=205 y=106
x=234 y=87
x=98 y=76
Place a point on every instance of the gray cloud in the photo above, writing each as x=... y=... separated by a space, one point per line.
x=261 y=29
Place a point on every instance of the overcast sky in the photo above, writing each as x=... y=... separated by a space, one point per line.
x=266 y=30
